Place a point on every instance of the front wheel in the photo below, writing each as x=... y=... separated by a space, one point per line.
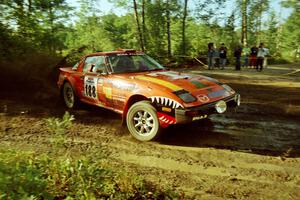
x=142 y=121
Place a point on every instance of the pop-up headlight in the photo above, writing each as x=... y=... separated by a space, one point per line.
x=185 y=96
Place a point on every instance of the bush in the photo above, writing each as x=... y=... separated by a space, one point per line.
x=20 y=178
x=27 y=176
x=58 y=128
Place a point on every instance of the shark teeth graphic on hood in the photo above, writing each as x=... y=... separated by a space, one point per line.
x=166 y=101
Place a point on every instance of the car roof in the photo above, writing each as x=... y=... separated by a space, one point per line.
x=119 y=51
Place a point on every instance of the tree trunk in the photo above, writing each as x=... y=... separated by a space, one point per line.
x=183 y=27
x=168 y=29
x=144 y=25
x=138 y=25
x=51 y=24
x=29 y=7
x=20 y=16
x=278 y=40
x=259 y=23
x=244 y=22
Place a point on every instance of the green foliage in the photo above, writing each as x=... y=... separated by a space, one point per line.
x=58 y=128
x=255 y=22
x=291 y=37
x=20 y=178
x=35 y=25
x=46 y=27
x=28 y=176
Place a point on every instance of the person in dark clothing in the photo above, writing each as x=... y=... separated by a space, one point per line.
x=210 y=55
x=223 y=55
x=253 y=56
x=245 y=55
x=237 y=55
x=216 y=58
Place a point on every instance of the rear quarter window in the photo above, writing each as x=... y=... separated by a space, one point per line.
x=75 y=67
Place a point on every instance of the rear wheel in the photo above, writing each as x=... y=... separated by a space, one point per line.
x=69 y=96
x=142 y=121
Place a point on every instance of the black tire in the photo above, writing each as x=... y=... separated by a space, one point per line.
x=69 y=96
x=142 y=121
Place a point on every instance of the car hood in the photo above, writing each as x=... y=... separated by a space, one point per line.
x=205 y=89
x=176 y=81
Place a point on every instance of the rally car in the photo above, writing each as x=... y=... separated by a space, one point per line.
x=148 y=96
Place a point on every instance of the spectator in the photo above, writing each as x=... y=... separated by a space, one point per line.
x=223 y=55
x=253 y=56
x=216 y=58
x=266 y=57
x=261 y=54
x=237 y=55
x=245 y=54
x=210 y=55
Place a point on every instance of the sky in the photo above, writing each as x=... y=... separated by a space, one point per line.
x=106 y=7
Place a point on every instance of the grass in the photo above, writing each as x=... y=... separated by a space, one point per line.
x=59 y=173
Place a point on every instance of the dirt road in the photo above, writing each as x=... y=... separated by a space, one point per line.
x=250 y=153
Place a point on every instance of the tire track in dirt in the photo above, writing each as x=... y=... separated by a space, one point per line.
x=199 y=171
x=256 y=171
x=169 y=164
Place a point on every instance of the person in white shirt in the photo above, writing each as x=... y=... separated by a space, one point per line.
x=261 y=54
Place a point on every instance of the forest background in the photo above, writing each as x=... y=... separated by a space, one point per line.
x=38 y=33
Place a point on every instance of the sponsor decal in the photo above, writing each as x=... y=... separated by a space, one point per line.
x=203 y=98
x=166 y=101
x=123 y=85
x=108 y=92
x=100 y=81
x=166 y=109
x=160 y=82
x=90 y=87
x=198 y=84
x=199 y=117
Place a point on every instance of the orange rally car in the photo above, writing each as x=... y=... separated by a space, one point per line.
x=148 y=96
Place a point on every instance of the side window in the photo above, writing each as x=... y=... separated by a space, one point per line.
x=95 y=64
x=75 y=66
x=87 y=63
x=99 y=65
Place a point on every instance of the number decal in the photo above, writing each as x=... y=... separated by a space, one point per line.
x=90 y=91
x=94 y=92
x=90 y=87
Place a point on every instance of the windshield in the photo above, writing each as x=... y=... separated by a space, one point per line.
x=132 y=63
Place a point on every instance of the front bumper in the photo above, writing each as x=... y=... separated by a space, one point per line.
x=195 y=113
